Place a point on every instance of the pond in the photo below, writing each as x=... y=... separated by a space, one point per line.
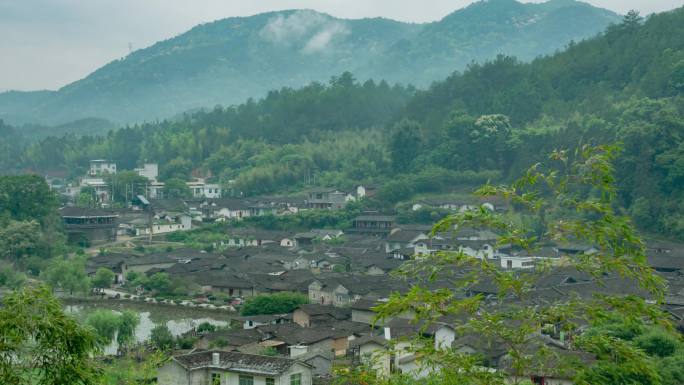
x=178 y=319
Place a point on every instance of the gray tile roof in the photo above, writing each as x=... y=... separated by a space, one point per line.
x=237 y=362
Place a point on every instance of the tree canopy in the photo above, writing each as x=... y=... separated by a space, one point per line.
x=42 y=345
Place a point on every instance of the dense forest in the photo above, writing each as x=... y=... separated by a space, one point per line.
x=488 y=123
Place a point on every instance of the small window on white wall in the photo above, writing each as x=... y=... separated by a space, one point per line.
x=296 y=379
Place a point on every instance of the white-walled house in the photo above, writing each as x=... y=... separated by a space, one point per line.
x=101 y=166
x=514 y=262
x=155 y=190
x=201 y=189
x=233 y=368
x=149 y=171
x=162 y=226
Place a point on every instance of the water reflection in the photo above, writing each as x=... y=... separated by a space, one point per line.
x=178 y=322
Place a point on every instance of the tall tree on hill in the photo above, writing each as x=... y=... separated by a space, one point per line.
x=404 y=145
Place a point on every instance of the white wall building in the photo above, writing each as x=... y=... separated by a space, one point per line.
x=101 y=166
x=201 y=189
x=149 y=171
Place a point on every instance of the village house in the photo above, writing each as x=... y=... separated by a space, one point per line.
x=113 y=261
x=365 y=191
x=201 y=189
x=163 y=225
x=373 y=224
x=372 y=351
x=251 y=322
x=321 y=362
x=362 y=311
x=145 y=263
x=309 y=315
x=297 y=340
x=224 y=368
x=101 y=167
x=329 y=293
x=155 y=190
x=242 y=237
x=86 y=226
x=226 y=208
x=326 y=198
x=344 y=290
x=225 y=282
x=406 y=237
x=149 y=171
x=258 y=209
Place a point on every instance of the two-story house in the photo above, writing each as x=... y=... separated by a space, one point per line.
x=233 y=368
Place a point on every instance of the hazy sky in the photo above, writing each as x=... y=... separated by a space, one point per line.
x=46 y=44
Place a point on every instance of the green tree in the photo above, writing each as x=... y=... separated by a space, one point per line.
x=126 y=185
x=132 y=275
x=11 y=278
x=105 y=323
x=273 y=303
x=205 y=327
x=404 y=144
x=87 y=197
x=26 y=197
x=176 y=188
x=67 y=274
x=160 y=282
x=162 y=338
x=102 y=279
x=19 y=239
x=659 y=343
x=177 y=168
x=42 y=345
x=632 y=19
x=125 y=336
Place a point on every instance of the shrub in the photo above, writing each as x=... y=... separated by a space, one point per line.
x=273 y=303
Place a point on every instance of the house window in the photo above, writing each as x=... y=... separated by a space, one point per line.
x=270 y=381
x=296 y=379
x=246 y=380
x=216 y=379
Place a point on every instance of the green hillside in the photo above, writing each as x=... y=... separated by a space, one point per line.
x=228 y=61
x=489 y=123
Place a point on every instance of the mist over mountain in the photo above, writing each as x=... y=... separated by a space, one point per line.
x=230 y=60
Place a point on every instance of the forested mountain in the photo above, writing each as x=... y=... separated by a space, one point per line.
x=231 y=60
x=490 y=122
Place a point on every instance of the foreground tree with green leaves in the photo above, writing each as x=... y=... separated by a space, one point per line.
x=575 y=201
x=39 y=344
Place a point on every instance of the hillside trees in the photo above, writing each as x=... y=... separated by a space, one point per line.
x=30 y=229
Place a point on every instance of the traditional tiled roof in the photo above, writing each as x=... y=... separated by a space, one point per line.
x=375 y=218
x=378 y=340
x=81 y=212
x=335 y=312
x=405 y=235
x=294 y=334
x=237 y=362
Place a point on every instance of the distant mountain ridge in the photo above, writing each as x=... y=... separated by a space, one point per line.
x=230 y=60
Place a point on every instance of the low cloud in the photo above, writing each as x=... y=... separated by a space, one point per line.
x=312 y=31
